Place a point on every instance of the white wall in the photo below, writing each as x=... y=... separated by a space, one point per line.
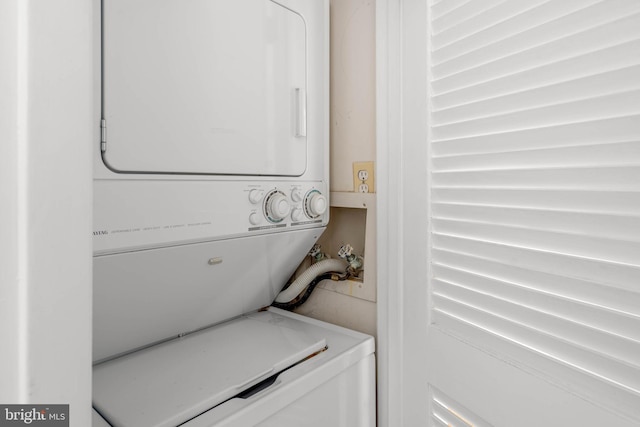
x=45 y=214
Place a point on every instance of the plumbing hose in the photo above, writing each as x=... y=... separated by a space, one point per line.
x=322 y=267
x=304 y=296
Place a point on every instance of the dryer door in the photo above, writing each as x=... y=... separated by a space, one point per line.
x=204 y=87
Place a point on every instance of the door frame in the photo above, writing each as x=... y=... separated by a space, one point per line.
x=401 y=93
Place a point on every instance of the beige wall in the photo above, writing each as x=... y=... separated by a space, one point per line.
x=352 y=88
x=350 y=304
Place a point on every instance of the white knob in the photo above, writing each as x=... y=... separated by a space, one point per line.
x=255 y=196
x=278 y=206
x=296 y=214
x=317 y=205
x=296 y=195
x=254 y=218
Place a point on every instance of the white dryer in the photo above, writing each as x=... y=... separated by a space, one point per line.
x=211 y=184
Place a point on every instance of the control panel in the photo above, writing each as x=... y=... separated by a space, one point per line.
x=186 y=211
x=290 y=205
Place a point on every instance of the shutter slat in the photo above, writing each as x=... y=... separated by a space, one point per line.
x=525 y=276
x=615 y=129
x=587 y=200
x=609 y=154
x=608 y=60
x=583 y=43
x=590 y=363
x=578 y=245
x=615 y=227
x=438 y=422
x=617 y=276
x=471 y=37
x=620 y=178
x=453 y=413
x=440 y=8
x=483 y=26
x=447 y=418
x=584 y=24
x=607 y=106
x=586 y=337
x=596 y=316
x=558 y=366
x=592 y=87
x=462 y=13
x=448 y=414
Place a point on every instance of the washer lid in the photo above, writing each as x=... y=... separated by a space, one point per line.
x=204 y=87
x=170 y=383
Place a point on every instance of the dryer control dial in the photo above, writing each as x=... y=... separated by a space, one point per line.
x=297 y=215
x=255 y=196
x=276 y=206
x=315 y=204
x=254 y=218
x=296 y=195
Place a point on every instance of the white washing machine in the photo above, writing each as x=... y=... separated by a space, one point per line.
x=211 y=184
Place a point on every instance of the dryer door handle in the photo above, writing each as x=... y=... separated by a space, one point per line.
x=301 y=112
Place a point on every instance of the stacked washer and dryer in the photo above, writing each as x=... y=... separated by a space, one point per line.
x=211 y=185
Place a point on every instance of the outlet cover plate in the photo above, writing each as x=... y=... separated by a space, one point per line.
x=360 y=169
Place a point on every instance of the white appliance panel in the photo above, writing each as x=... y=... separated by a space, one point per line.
x=205 y=87
x=335 y=387
x=168 y=384
x=140 y=214
x=143 y=297
x=345 y=400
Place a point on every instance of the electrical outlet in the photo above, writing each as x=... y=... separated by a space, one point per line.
x=363 y=178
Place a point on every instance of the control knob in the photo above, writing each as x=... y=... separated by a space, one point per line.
x=297 y=215
x=277 y=206
x=316 y=204
x=254 y=218
x=255 y=196
x=296 y=195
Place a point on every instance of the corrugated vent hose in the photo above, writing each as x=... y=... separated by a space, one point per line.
x=317 y=269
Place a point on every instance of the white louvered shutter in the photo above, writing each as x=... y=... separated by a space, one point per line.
x=535 y=195
x=446 y=412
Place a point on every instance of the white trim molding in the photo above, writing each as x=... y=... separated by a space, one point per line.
x=402 y=211
x=46 y=130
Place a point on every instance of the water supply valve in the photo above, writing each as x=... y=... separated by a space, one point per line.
x=316 y=253
x=355 y=262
